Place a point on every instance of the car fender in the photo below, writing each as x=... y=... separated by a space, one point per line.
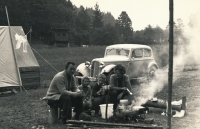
x=153 y=63
x=85 y=71
x=108 y=68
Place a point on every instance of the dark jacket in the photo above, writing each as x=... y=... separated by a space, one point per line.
x=125 y=81
x=95 y=89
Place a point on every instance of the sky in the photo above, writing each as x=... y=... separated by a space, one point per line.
x=145 y=12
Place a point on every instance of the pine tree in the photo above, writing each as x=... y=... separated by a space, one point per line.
x=124 y=26
x=97 y=17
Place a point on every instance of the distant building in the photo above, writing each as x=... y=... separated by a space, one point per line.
x=60 y=35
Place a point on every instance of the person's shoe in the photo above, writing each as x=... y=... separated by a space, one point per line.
x=63 y=121
x=115 y=112
x=97 y=115
x=85 y=117
x=88 y=112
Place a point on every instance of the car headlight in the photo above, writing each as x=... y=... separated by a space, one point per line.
x=102 y=64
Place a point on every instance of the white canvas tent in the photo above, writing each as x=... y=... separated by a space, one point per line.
x=18 y=65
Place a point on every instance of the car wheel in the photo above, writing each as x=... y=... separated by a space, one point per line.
x=152 y=73
x=108 y=76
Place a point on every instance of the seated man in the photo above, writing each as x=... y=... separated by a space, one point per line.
x=119 y=83
x=63 y=93
x=98 y=93
x=87 y=91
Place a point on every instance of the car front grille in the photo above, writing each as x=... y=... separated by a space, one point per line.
x=95 y=69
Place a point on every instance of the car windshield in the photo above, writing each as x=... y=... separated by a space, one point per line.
x=117 y=51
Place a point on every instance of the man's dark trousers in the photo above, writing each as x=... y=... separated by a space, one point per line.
x=66 y=103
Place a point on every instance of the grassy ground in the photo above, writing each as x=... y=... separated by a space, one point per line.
x=24 y=111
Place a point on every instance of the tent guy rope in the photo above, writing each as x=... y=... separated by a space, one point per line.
x=45 y=59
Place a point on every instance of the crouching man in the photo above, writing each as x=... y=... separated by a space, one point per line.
x=64 y=94
x=119 y=83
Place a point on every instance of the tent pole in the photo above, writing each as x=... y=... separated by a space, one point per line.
x=30 y=34
x=20 y=81
x=170 y=72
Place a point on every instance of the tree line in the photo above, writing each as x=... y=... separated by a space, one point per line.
x=86 y=26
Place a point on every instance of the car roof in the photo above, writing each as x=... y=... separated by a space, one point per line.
x=128 y=46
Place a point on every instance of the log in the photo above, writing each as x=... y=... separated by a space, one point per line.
x=101 y=124
x=163 y=104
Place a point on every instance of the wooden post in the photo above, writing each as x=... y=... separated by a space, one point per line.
x=183 y=106
x=170 y=72
x=107 y=99
x=53 y=115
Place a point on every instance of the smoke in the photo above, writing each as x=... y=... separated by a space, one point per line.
x=188 y=51
x=188 y=55
x=146 y=91
x=192 y=34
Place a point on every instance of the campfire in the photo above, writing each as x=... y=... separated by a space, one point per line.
x=137 y=112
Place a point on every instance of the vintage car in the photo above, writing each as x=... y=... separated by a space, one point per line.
x=137 y=59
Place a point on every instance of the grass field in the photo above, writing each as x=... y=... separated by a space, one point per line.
x=58 y=56
x=24 y=111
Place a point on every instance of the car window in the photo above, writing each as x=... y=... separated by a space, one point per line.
x=111 y=52
x=137 y=53
x=147 y=53
x=121 y=52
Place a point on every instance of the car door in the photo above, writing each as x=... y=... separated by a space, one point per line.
x=148 y=57
x=135 y=68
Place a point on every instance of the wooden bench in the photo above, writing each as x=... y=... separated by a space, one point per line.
x=54 y=113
